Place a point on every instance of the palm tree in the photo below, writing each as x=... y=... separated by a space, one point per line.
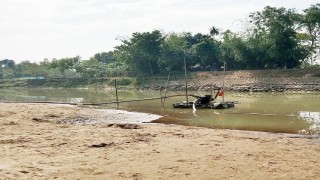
x=214 y=31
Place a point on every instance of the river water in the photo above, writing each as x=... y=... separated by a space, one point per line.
x=297 y=113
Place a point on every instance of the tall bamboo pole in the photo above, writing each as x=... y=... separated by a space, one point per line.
x=115 y=86
x=224 y=69
x=185 y=75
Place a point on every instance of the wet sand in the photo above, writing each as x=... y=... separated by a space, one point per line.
x=40 y=141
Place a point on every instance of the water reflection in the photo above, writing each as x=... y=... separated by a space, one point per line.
x=225 y=119
x=313 y=119
x=33 y=98
x=76 y=100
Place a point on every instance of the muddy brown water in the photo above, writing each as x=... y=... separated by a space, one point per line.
x=297 y=113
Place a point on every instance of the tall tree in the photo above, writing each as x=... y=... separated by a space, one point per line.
x=65 y=64
x=26 y=69
x=173 y=52
x=311 y=23
x=233 y=51
x=143 y=51
x=208 y=52
x=214 y=31
x=279 y=28
x=105 y=57
x=7 y=63
x=91 y=68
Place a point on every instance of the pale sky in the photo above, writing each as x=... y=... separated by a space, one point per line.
x=37 y=29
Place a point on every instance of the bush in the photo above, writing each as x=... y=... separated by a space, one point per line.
x=124 y=81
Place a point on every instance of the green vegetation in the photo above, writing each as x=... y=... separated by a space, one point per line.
x=275 y=38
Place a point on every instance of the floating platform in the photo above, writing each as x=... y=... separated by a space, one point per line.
x=211 y=105
x=205 y=102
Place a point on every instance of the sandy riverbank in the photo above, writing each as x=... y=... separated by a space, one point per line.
x=36 y=143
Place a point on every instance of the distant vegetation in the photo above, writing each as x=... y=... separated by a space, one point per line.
x=275 y=38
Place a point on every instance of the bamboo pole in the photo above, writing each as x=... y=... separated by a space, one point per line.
x=224 y=69
x=161 y=100
x=96 y=104
x=165 y=92
x=185 y=75
x=115 y=86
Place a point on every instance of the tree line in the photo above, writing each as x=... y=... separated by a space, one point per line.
x=274 y=38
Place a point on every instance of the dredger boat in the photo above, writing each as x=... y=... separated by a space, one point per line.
x=205 y=102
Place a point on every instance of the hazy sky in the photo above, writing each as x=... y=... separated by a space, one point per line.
x=37 y=29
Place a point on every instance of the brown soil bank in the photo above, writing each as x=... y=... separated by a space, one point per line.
x=255 y=81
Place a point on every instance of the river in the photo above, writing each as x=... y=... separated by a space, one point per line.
x=297 y=113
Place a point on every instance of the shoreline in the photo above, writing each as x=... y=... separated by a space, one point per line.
x=277 y=80
x=35 y=145
x=293 y=80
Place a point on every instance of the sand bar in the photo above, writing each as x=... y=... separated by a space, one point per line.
x=43 y=141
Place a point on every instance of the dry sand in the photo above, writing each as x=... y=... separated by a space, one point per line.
x=35 y=143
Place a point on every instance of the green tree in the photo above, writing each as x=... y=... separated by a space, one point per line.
x=311 y=23
x=173 y=52
x=142 y=52
x=7 y=73
x=65 y=64
x=91 y=68
x=28 y=69
x=208 y=52
x=278 y=27
x=214 y=31
x=105 y=57
x=233 y=50
x=7 y=68
x=7 y=63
